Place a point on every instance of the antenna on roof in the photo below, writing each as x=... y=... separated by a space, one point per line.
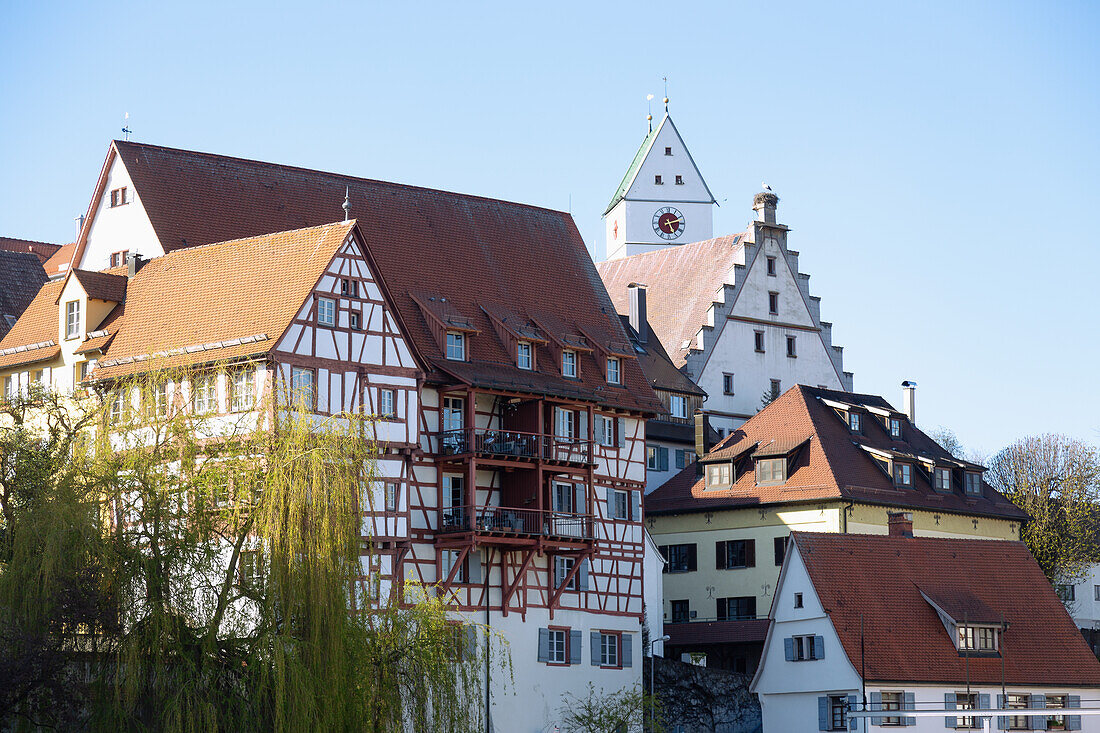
x=347 y=202
x=126 y=126
x=665 y=80
x=649 y=116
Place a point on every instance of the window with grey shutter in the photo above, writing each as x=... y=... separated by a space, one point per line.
x=471 y=640
x=909 y=702
x=582 y=574
x=819 y=647
x=620 y=431
x=544 y=645
x=575 y=642
x=627 y=658
x=1002 y=720
x=473 y=567
x=662 y=458
x=788 y=648
x=1038 y=722
x=823 y=721
x=949 y=702
x=635 y=506
x=580 y=503
x=853 y=723
x=1073 y=722
x=596 y=648
x=876 y=705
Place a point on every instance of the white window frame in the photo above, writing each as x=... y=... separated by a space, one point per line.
x=975 y=478
x=562 y=566
x=609 y=649
x=943 y=479
x=72 y=319
x=605 y=430
x=387 y=403
x=204 y=393
x=326 y=311
x=558 y=647
x=390 y=496
x=525 y=356
x=448 y=562
x=242 y=388
x=621 y=504
x=651 y=457
x=895 y=428
x=677 y=405
x=804 y=648
x=454 y=413
x=903 y=474
x=564 y=498
x=456 y=346
x=855 y=422
x=569 y=364
x=614 y=376
x=302 y=378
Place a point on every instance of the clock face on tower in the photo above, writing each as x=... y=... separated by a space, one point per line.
x=668 y=223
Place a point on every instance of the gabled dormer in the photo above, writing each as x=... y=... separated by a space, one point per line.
x=452 y=329
x=973 y=627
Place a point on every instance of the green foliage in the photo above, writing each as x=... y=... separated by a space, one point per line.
x=203 y=568
x=626 y=710
x=1056 y=480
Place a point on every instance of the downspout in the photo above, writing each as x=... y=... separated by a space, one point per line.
x=488 y=640
x=844 y=515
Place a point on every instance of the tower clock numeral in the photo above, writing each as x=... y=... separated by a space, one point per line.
x=668 y=223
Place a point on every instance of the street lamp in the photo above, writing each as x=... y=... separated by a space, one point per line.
x=652 y=694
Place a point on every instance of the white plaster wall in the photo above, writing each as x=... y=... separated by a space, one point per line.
x=654 y=479
x=653 y=594
x=1085 y=608
x=124 y=227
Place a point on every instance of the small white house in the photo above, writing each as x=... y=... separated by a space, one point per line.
x=882 y=626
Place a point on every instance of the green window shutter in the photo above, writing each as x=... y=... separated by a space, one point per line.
x=662 y=458
x=876 y=705
x=582 y=574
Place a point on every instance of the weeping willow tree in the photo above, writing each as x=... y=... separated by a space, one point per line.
x=237 y=588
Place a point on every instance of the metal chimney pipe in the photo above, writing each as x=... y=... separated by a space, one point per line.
x=909 y=400
x=638 y=315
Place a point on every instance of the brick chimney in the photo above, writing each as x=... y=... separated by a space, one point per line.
x=133 y=264
x=901 y=524
x=638 y=315
x=764 y=204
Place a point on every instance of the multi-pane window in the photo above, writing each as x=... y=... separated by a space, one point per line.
x=719 y=475
x=613 y=370
x=758 y=341
x=326 y=311
x=72 y=319
x=569 y=363
x=563 y=497
x=450 y=558
x=805 y=649
x=118 y=259
x=792 y=351
x=621 y=510
x=605 y=430
x=120 y=407
x=562 y=567
x=609 y=650
x=677 y=405
x=838 y=712
x=771 y=471
x=895 y=427
x=1018 y=702
x=771 y=266
x=973 y=483
x=456 y=346
x=903 y=474
x=777 y=387
x=250 y=571
x=727 y=383
x=559 y=639
x=773 y=303
x=943 y=480
x=891 y=701
x=657 y=180
x=733 y=554
x=679 y=180
x=668 y=151
x=681 y=558
x=1056 y=722
x=391 y=496
x=204 y=393
x=353 y=320
x=523 y=355
x=349 y=288
x=738 y=608
x=977 y=638
x=1065 y=592
x=681 y=611
x=118 y=197
x=453 y=410
x=855 y=422
x=780 y=549
x=301 y=387
x=386 y=403
x=966 y=701
x=684 y=457
x=242 y=388
x=156 y=400
x=1096 y=592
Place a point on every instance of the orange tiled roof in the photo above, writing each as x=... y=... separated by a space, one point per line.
x=37 y=327
x=101 y=285
x=904 y=639
x=827 y=462
x=58 y=263
x=21 y=275
x=681 y=284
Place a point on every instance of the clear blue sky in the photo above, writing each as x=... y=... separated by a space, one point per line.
x=937 y=161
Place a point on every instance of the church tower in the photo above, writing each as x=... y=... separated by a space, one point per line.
x=662 y=201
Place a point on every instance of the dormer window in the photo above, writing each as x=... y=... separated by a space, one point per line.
x=771 y=471
x=719 y=475
x=855 y=422
x=657 y=181
x=895 y=428
x=456 y=346
x=326 y=311
x=613 y=376
x=903 y=474
x=569 y=364
x=977 y=638
x=973 y=483
x=523 y=355
x=943 y=480
x=677 y=405
x=72 y=319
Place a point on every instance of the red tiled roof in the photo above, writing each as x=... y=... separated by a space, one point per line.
x=656 y=364
x=42 y=250
x=829 y=464
x=681 y=284
x=695 y=633
x=101 y=285
x=469 y=249
x=876 y=580
x=58 y=263
x=37 y=326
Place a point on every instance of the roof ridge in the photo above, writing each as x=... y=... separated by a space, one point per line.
x=192 y=248
x=315 y=171
x=678 y=248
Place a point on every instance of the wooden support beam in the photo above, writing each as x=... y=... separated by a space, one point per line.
x=565 y=581
x=454 y=570
x=520 y=575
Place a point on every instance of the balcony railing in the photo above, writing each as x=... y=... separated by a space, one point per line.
x=515 y=444
x=509 y=521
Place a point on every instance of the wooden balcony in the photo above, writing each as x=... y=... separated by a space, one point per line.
x=509 y=525
x=513 y=445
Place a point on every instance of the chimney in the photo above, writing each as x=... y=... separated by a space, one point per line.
x=638 y=316
x=909 y=400
x=133 y=264
x=702 y=434
x=901 y=524
x=79 y=225
x=764 y=204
